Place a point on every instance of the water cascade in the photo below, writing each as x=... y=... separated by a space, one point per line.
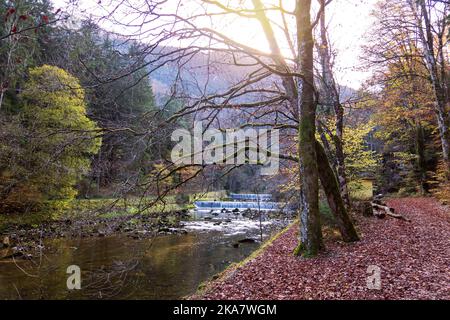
x=241 y=202
x=251 y=197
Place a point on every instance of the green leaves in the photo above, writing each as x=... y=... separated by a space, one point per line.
x=52 y=140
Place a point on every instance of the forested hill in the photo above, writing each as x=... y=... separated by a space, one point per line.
x=215 y=69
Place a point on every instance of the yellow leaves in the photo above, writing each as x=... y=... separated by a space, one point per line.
x=359 y=159
x=161 y=176
x=60 y=138
x=54 y=101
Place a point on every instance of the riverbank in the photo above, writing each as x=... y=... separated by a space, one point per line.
x=22 y=236
x=208 y=285
x=413 y=259
x=23 y=240
x=120 y=266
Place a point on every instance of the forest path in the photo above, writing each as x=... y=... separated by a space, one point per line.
x=414 y=258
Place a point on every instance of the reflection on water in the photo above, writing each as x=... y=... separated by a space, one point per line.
x=166 y=267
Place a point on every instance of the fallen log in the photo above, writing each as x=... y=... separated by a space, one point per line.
x=385 y=210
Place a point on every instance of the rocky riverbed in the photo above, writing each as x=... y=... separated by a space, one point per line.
x=27 y=241
x=22 y=241
x=159 y=257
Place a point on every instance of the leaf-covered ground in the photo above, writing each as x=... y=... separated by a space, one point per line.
x=414 y=258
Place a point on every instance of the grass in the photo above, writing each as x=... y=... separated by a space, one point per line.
x=208 y=196
x=361 y=189
x=31 y=219
x=102 y=208
x=84 y=208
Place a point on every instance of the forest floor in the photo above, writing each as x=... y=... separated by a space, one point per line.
x=414 y=258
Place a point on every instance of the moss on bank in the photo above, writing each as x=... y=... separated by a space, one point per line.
x=53 y=211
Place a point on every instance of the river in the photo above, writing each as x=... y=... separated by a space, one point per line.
x=118 y=267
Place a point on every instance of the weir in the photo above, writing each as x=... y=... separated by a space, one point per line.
x=251 y=197
x=241 y=205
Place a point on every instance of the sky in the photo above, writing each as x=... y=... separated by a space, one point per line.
x=348 y=22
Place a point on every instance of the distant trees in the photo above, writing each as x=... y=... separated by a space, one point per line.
x=429 y=18
x=49 y=144
x=409 y=53
x=406 y=116
x=120 y=99
x=22 y=28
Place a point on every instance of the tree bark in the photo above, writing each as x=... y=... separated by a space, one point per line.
x=335 y=201
x=444 y=128
x=310 y=228
x=421 y=161
x=340 y=156
x=331 y=98
x=438 y=79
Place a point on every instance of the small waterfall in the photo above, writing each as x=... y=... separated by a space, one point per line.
x=251 y=197
x=241 y=205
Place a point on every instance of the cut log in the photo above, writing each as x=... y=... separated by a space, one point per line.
x=381 y=210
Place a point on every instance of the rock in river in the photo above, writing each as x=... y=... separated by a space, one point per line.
x=248 y=240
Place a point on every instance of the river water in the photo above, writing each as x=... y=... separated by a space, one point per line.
x=118 y=267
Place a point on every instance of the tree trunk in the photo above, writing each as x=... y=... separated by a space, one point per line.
x=310 y=228
x=421 y=161
x=331 y=97
x=444 y=130
x=335 y=201
x=2 y=93
x=340 y=156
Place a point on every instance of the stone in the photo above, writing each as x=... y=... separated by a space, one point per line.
x=6 y=242
x=248 y=240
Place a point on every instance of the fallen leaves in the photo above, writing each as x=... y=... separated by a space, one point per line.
x=414 y=259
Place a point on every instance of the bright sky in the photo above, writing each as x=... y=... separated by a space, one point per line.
x=348 y=21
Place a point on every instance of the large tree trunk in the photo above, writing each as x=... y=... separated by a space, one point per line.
x=326 y=145
x=331 y=98
x=310 y=228
x=335 y=201
x=444 y=128
x=438 y=79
